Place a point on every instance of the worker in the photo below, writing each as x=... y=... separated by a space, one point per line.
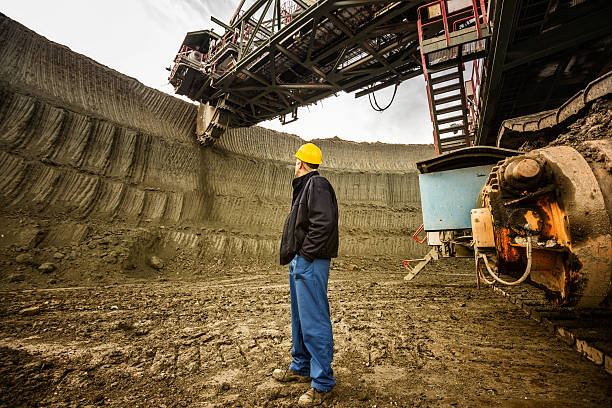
x=309 y=241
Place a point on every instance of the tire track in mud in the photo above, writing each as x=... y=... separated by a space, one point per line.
x=436 y=341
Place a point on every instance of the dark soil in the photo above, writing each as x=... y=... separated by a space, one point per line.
x=213 y=341
x=594 y=124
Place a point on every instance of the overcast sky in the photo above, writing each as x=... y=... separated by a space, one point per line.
x=140 y=38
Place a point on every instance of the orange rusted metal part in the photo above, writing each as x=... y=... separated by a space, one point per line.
x=555 y=224
x=552 y=198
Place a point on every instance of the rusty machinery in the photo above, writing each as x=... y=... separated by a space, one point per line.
x=542 y=218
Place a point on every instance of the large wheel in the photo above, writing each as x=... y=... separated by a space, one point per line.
x=580 y=194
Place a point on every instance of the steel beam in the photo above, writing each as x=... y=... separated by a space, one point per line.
x=504 y=21
x=256 y=29
x=221 y=23
x=306 y=64
x=561 y=38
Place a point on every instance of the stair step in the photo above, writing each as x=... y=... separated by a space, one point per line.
x=449 y=109
x=449 y=149
x=444 y=78
x=449 y=119
x=448 y=99
x=447 y=88
x=451 y=129
x=443 y=67
x=451 y=140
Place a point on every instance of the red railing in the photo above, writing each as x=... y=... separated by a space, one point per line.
x=228 y=38
x=474 y=84
x=415 y=236
x=287 y=11
x=190 y=54
x=461 y=15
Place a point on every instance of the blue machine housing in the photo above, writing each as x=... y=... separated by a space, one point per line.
x=450 y=184
x=448 y=196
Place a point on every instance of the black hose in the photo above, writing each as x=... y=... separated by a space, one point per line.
x=376 y=106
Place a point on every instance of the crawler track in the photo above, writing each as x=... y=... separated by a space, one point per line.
x=589 y=331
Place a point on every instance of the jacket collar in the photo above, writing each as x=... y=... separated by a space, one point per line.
x=299 y=183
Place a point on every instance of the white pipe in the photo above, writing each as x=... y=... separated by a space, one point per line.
x=522 y=278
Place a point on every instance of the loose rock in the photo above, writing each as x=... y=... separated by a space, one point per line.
x=26 y=258
x=16 y=277
x=30 y=311
x=47 y=267
x=156 y=262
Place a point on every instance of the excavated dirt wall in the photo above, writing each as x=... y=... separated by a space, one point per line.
x=88 y=150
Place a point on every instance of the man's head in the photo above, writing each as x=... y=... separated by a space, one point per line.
x=308 y=158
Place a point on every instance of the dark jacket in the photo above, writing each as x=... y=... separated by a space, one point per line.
x=311 y=228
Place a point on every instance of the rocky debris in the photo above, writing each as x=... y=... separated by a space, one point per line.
x=156 y=262
x=47 y=267
x=593 y=125
x=26 y=259
x=58 y=255
x=31 y=236
x=16 y=277
x=110 y=257
x=30 y=311
x=128 y=265
x=163 y=363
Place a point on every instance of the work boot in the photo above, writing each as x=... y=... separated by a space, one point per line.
x=314 y=398
x=288 y=376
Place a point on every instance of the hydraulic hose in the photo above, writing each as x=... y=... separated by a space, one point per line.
x=481 y=275
x=522 y=278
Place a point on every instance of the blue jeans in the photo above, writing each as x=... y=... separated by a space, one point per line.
x=311 y=331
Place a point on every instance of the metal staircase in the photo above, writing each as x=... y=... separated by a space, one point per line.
x=448 y=108
x=451 y=32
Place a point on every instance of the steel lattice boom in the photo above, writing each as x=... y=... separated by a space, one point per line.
x=274 y=58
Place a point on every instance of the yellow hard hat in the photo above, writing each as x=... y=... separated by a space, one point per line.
x=309 y=153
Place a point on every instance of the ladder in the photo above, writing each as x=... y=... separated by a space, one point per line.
x=458 y=36
x=448 y=108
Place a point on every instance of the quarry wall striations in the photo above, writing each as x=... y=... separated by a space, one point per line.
x=85 y=142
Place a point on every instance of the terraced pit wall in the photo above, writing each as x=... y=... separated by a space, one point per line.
x=82 y=142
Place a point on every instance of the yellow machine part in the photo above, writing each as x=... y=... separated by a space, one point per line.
x=482 y=228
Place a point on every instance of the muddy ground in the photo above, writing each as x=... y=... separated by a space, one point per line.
x=212 y=340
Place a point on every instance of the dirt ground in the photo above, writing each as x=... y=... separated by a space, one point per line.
x=212 y=340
